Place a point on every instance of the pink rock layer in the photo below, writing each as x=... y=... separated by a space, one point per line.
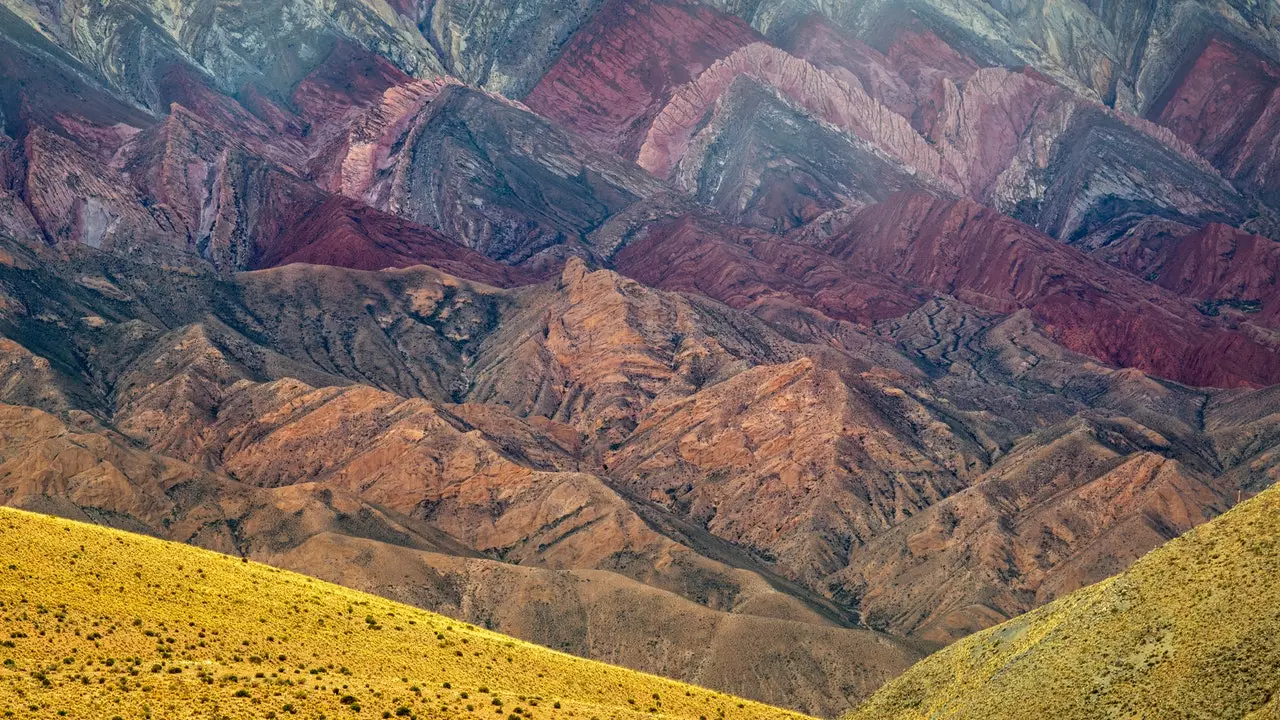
x=817 y=92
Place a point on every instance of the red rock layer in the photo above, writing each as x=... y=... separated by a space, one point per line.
x=617 y=71
x=182 y=87
x=281 y=120
x=1226 y=103
x=332 y=97
x=744 y=268
x=906 y=73
x=242 y=212
x=924 y=60
x=998 y=123
x=988 y=133
x=217 y=180
x=367 y=145
x=985 y=120
x=349 y=77
x=1228 y=269
x=893 y=255
x=185 y=165
x=78 y=200
x=994 y=262
x=344 y=233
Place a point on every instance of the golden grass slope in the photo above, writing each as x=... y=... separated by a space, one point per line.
x=96 y=623
x=1192 y=630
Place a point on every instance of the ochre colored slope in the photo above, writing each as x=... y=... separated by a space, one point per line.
x=1190 y=631
x=99 y=624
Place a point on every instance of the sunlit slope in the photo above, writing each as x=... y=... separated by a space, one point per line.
x=96 y=623
x=1190 y=631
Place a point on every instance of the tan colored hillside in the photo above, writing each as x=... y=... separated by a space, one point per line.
x=101 y=624
x=1192 y=630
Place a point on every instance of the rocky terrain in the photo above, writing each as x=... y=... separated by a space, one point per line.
x=764 y=344
x=246 y=608
x=1159 y=639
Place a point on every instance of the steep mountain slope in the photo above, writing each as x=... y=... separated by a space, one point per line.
x=664 y=332
x=1063 y=162
x=1122 y=53
x=117 y=607
x=92 y=474
x=953 y=248
x=500 y=45
x=270 y=45
x=1189 y=631
x=887 y=258
x=1074 y=505
x=236 y=449
x=452 y=434
x=835 y=131
x=615 y=75
x=1227 y=270
x=1223 y=101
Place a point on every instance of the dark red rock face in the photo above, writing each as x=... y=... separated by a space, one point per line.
x=991 y=261
x=1228 y=271
x=617 y=72
x=341 y=232
x=894 y=255
x=922 y=58
x=1225 y=103
x=745 y=269
x=350 y=76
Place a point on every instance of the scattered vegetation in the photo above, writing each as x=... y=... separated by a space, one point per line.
x=1213 y=308
x=103 y=624
x=1190 y=631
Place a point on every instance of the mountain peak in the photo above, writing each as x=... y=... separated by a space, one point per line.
x=700 y=335
x=574 y=273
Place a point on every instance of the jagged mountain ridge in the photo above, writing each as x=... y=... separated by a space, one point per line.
x=1186 y=631
x=908 y=116
x=563 y=429
x=934 y=248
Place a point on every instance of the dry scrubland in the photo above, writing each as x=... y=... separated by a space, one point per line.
x=1190 y=631
x=101 y=624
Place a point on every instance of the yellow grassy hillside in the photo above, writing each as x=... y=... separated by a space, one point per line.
x=102 y=624
x=1190 y=631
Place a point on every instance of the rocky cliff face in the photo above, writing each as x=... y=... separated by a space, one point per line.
x=951 y=246
x=667 y=332
x=270 y=45
x=718 y=464
x=1225 y=269
x=1223 y=101
x=502 y=46
x=818 y=93
x=618 y=71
